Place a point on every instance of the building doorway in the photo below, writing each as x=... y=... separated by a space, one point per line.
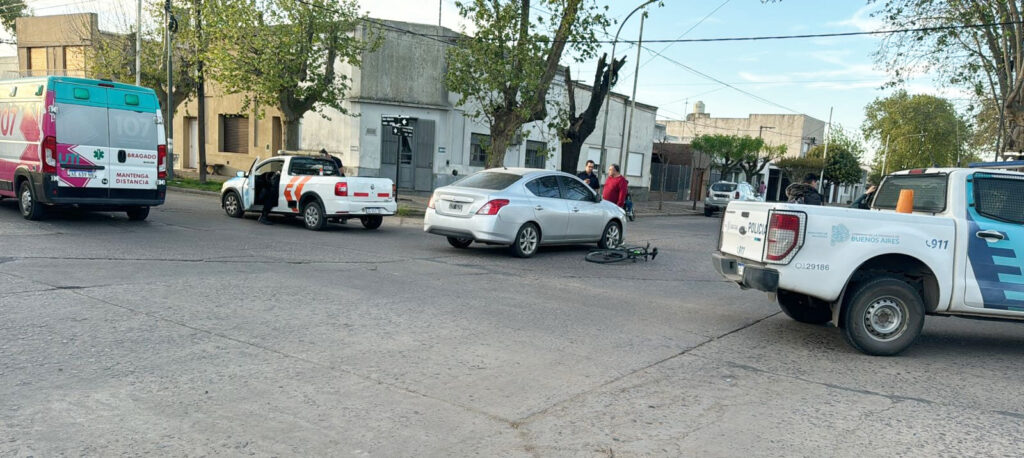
x=193 y=142
x=409 y=160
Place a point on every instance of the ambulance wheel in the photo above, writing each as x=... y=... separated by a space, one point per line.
x=372 y=222
x=313 y=215
x=232 y=204
x=30 y=208
x=137 y=213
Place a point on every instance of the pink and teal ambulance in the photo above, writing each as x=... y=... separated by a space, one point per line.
x=81 y=142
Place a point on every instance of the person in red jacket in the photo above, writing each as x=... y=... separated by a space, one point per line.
x=616 y=187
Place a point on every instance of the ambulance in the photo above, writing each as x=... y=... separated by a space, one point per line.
x=81 y=142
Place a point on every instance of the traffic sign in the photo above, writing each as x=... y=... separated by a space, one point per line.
x=402 y=131
x=394 y=120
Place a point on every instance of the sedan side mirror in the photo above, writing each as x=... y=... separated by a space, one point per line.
x=597 y=198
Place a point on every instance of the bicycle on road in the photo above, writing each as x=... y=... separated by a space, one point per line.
x=622 y=253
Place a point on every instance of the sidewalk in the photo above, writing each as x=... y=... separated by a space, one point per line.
x=668 y=208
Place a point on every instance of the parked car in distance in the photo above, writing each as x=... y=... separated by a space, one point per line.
x=312 y=188
x=524 y=209
x=723 y=192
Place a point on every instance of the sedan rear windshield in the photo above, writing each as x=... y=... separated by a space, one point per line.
x=723 y=187
x=929 y=192
x=494 y=181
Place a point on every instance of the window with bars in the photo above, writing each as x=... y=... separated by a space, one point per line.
x=999 y=198
x=478 y=149
x=536 y=155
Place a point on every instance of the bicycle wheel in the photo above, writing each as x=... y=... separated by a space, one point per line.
x=606 y=256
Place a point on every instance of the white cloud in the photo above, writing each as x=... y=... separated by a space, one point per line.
x=862 y=20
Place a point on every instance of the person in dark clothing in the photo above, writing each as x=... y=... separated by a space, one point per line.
x=589 y=177
x=864 y=201
x=268 y=194
x=337 y=162
x=805 y=193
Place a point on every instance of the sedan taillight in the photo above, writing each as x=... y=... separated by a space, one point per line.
x=491 y=208
x=430 y=203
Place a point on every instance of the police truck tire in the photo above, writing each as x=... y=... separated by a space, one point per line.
x=803 y=308
x=372 y=222
x=232 y=204
x=30 y=208
x=137 y=213
x=884 y=316
x=313 y=215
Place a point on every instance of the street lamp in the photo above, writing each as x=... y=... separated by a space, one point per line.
x=607 y=97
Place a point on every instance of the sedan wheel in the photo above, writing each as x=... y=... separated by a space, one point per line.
x=527 y=241
x=612 y=235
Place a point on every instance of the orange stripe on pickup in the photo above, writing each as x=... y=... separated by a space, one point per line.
x=361 y=194
x=288 y=189
x=298 y=191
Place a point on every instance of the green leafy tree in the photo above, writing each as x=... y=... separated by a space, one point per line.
x=505 y=70
x=984 y=58
x=728 y=152
x=842 y=166
x=922 y=131
x=284 y=54
x=10 y=11
x=796 y=168
x=112 y=55
x=754 y=162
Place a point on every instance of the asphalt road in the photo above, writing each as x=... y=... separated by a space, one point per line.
x=197 y=334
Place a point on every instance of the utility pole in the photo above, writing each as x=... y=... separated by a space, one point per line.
x=636 y=76
x=138 y=45
x=439 y=13
x=760 y=131
x=169 y=33
x=885 y=155
x=824 y=160
x=201 y=92
x=608 y=96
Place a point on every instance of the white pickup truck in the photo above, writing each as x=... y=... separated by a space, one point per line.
x=312 y=188
x=877 y=273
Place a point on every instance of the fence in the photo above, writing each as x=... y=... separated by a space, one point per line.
x=673 y=181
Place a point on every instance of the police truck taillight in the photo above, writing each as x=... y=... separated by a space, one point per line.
x=785 y=237
x=492 y=207
x=50 y=154
x=161 y=162
x=341 y=189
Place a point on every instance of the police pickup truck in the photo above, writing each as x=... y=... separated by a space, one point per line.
x=312 y=188
x=877 y=273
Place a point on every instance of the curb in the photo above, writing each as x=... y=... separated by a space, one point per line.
x=193 y=191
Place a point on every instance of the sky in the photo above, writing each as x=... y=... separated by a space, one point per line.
x=805 y=76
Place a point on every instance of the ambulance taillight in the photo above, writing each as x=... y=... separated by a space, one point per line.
x=161 y=162
x=50 y=154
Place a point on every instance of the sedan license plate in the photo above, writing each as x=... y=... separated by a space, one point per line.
x=455 y=207
x=373 y=211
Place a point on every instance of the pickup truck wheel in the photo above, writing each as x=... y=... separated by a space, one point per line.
x=459 y=242
x=885 y=316
x=803 y=308
x=232 y=204
x=313 y=215
x=372 y=222
x=137 y=213
x=709 y=211
x=30 y=208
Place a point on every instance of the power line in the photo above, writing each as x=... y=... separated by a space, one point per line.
x=701 y=21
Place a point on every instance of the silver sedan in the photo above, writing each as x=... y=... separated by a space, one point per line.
x=523 y=208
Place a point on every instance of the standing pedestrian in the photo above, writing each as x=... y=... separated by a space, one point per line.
x=864 y=201
x=806 y=192
x=337 y=162
x=616 y=187
x=589 y=177
x=761 y=188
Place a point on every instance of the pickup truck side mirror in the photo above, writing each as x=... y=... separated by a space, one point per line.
x=240 y=174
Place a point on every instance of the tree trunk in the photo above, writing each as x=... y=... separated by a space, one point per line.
x=571 y=156
x=201 y=93
x=291 y=134
x=582 y=125
x=503 y=128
